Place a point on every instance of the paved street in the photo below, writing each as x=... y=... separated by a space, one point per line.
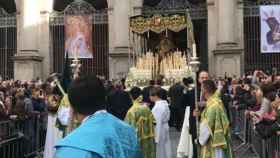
x=175 y=136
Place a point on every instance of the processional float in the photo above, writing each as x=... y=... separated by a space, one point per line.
x=169 y=64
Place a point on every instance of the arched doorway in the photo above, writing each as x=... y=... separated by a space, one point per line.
x=100 y=39
x=198 y=12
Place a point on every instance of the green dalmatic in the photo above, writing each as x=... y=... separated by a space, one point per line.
x=141 y=118
x=214 y=116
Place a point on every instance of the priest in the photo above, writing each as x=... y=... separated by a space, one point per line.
x=214 y=135
x=141 y=118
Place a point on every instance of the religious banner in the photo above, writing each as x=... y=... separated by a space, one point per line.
x=270 y=28
x=78 y=35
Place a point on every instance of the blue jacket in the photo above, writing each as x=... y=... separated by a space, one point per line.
x=101 y=136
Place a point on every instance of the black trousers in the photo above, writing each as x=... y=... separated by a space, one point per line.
x=176 y=117
x=180 y=115
x=194 y=148
x=172 y=120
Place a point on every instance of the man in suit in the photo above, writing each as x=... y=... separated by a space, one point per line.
x=175 y=94
x=119 y=101
x=146 y=94
x=188 y=99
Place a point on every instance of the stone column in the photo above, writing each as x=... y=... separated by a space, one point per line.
x=119 y=13
x=111 y=36
x=121 y=19
x=44 y=37
x=212 y=34
x=227 y=21
x=225 y=37
x=28 y=60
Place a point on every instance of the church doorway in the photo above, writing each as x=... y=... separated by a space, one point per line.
x=198 y=13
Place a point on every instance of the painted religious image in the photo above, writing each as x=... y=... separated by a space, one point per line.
x=78 y=31
x=270 y=29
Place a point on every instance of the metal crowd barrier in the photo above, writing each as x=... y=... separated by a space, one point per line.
x=271 y=147
x=23 y=138
x=251 y=140
x=244 y=130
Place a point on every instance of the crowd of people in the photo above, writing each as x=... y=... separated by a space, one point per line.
x=259 y=96
x=149 y=111
x=20 y=99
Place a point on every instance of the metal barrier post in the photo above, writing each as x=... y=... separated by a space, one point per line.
x=242 y=130
x=37 y=147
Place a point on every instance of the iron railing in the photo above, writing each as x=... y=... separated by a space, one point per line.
x=23 y=138
x=8 y=43
x=254 y=59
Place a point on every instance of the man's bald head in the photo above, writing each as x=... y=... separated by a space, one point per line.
x=203 y=75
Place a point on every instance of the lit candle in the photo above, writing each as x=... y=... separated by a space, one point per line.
x=75 y=54
x=194 y=50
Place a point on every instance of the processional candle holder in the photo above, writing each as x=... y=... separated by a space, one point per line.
x=194 y=63
x=76 y=66
x=54 y=79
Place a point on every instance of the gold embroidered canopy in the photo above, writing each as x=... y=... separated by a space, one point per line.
x=159 y=23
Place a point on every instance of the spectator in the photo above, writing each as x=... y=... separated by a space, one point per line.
x=37 y=100
x=8 y=104
x=19 y=109
x=268 y=96
x=3 y=108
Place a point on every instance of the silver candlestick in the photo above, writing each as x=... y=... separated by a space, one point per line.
x=76 y=68
x=195 y=68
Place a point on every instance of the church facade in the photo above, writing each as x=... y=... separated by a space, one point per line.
x=34 y=36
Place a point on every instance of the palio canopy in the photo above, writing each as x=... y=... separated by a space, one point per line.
x=159 y=23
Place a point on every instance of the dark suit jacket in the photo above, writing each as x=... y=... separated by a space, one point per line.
x=175 y=93
x=119 y=103
x=146 y=94
x=188 y=99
